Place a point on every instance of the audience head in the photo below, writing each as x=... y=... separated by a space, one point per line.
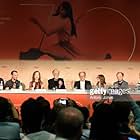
x=46 y=110
x=14 y=75
x=82 y=75
x=5 y=109
x=69 y=123
x=31 y=115
x=121 y=110
x=36 y=76
x=43 y=102
x=56 y=73
x=72 y=103
x=120 y=76
x=9 y=123
x=103 y=123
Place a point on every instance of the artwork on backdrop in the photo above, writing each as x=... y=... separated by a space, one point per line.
x=65 y=30
x=69 y=30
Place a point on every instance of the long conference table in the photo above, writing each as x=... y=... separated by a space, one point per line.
x=83 y=98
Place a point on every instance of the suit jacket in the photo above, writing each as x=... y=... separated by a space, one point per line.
x=54 y=84
x=87 y=85
x=122 y=85
x=10 y=84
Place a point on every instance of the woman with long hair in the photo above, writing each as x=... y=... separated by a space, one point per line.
x=101 y=83
x=36 y=82
x=62 y=24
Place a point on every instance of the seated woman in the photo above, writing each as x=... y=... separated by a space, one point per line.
x=36 y=82
x=101 y=81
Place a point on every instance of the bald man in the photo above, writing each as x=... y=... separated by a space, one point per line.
x=69 y=124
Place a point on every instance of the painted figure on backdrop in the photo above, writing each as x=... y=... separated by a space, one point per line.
x=64 y=26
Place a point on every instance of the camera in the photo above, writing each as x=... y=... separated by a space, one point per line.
x=63 y=101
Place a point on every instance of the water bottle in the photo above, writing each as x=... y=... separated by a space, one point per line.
x=20 y=86
x=1 y=85
x=54 y=88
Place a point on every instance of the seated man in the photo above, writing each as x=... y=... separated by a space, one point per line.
x=13 y=83
x=120 y=83
x=69 y=123
x=56 y=82
x=82 y=84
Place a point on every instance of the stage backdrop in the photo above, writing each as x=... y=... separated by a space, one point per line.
x=106 y=29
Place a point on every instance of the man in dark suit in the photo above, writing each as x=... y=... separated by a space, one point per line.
x=56 y=82
x=13 y=83
x=120 y=83
x=82 y=83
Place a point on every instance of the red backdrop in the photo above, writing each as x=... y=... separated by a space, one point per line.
x=108 y=27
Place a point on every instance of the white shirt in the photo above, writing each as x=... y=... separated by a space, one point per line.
x=41 y=135
x=82 y=85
